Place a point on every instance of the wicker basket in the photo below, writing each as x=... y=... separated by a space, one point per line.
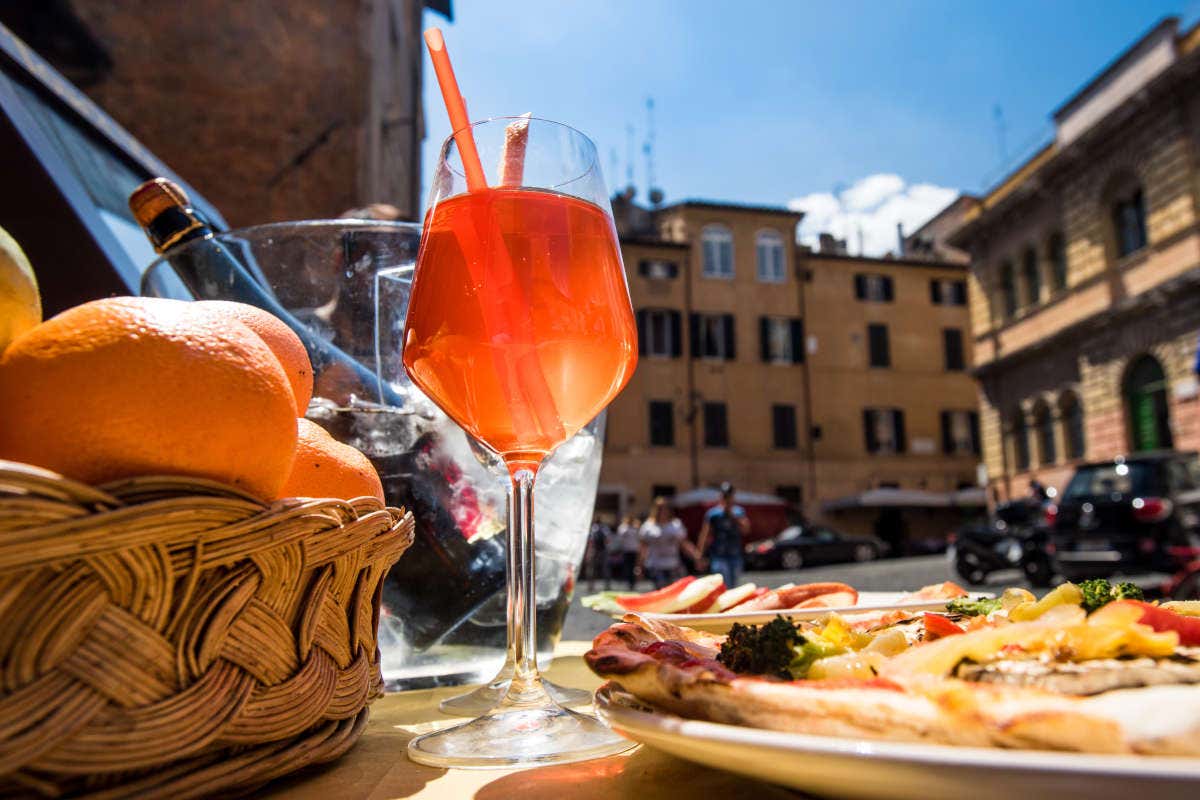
x=170 y=637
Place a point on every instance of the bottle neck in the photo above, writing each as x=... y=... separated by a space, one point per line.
x=174 y=226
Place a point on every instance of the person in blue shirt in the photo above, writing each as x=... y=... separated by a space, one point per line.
x=721 y=535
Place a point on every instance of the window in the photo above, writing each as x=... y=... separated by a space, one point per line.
x=952 y=345
x=877 y=341
x=716 y=425
x=713 y=336
x=1008 y=289
x=945 y=292
x=1147 y=407
x=769 y=250
x=781 y=340
x=657 y=269
x=874 y=288
x=1020 y=440
x=883 y=430
x=658 y=333
x=1072 y=417
x=717 y=243
x=792 y=493
x=960 y=433
x=1129 y=222
x=1043 y=423
x=662 y=423
x=1032 y=277
x=783 y=419
x=1056 y=250
x=663 y=490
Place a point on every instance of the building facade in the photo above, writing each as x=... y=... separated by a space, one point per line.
x=816 y=377
x=1085 y=276
x=274 y=111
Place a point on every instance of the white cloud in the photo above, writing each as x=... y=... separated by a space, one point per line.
x=872 y=205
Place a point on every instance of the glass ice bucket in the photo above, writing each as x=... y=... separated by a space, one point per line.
x=346 y=284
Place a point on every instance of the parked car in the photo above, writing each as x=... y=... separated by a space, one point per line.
x=1127 y=515
x=798 y=545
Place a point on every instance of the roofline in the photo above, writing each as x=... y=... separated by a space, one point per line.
x=962 y=198
x=649 y=241
x=892 y=262
x=1108 y=69
x=727 y=206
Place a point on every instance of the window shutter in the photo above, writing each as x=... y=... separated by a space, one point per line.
x=730 y=339
x=676 y=320
x=694 y=324
x=643 y=330
x=860 y=286
x=898 y=427
x=764 y=334
x=797 y=326
x=960 y=293
x=947 y=433
x=888 y=292
x=869 y=430
x=935 y=291
x=973 y=417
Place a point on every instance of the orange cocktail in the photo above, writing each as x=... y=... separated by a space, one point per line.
x=520 y=328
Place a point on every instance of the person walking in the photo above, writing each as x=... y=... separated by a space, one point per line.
x=625 y=548
x=662 y=538
x=596 y=560
x=721 y=536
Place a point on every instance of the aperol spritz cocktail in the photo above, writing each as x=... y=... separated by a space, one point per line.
x=520 y=328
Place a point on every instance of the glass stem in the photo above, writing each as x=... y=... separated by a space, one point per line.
x=526 y=687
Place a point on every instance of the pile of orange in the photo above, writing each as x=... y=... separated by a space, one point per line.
x=132 y=386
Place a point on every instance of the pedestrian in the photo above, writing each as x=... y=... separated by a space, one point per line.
x=721 y=535
x=663 y=537
x=595 y=562
x=624 y=550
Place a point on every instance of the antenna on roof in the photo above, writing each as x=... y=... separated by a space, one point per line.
x=654 y=193
x=1001 y=145
x=629 y=156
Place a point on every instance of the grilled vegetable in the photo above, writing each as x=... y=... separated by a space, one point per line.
x=761 y=650
x=1098 y=592
x=979 y=607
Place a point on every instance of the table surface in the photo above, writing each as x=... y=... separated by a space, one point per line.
x=377 y=768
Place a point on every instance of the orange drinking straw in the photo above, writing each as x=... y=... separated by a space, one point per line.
x=456 y=108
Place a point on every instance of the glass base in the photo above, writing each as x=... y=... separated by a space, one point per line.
x=488 y=696
x=508 y=736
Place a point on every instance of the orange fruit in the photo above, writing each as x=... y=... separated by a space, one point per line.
x=324 y=467
x=282 y=340
x=132 y=386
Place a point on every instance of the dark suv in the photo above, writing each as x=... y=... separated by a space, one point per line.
x=1125 y=515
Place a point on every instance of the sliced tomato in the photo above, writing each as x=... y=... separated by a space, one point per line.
x=830 y=600
x=1164 y=619
x=938 y=627
x=650 y=601
x=695 y=593
x=738 y=594
x=936 y=591
x=795 y=595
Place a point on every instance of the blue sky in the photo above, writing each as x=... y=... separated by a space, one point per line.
x=860 y=113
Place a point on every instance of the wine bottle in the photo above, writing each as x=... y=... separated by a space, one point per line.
x=210 y=271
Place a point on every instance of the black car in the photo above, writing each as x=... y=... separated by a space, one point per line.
x=1125 y=515
x=799 y=545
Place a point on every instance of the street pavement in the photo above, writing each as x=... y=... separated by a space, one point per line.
x=891 y=574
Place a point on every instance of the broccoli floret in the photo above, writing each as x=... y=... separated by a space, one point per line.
x=979 y=607
x=762 y=650
x=1128 y=591
x=1098 y=592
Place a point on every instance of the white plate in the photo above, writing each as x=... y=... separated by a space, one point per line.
x=857 y=768
x=867 y=601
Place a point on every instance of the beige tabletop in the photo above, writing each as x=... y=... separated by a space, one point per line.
x=378 y=769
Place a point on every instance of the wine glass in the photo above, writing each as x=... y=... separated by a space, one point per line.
x=520 y=328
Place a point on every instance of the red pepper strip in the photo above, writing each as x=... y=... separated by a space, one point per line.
x=938 y=626
x=1164 y=619
x=641 y=602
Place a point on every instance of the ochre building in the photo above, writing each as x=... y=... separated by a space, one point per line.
x=837 y=382
x=1085 y=276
